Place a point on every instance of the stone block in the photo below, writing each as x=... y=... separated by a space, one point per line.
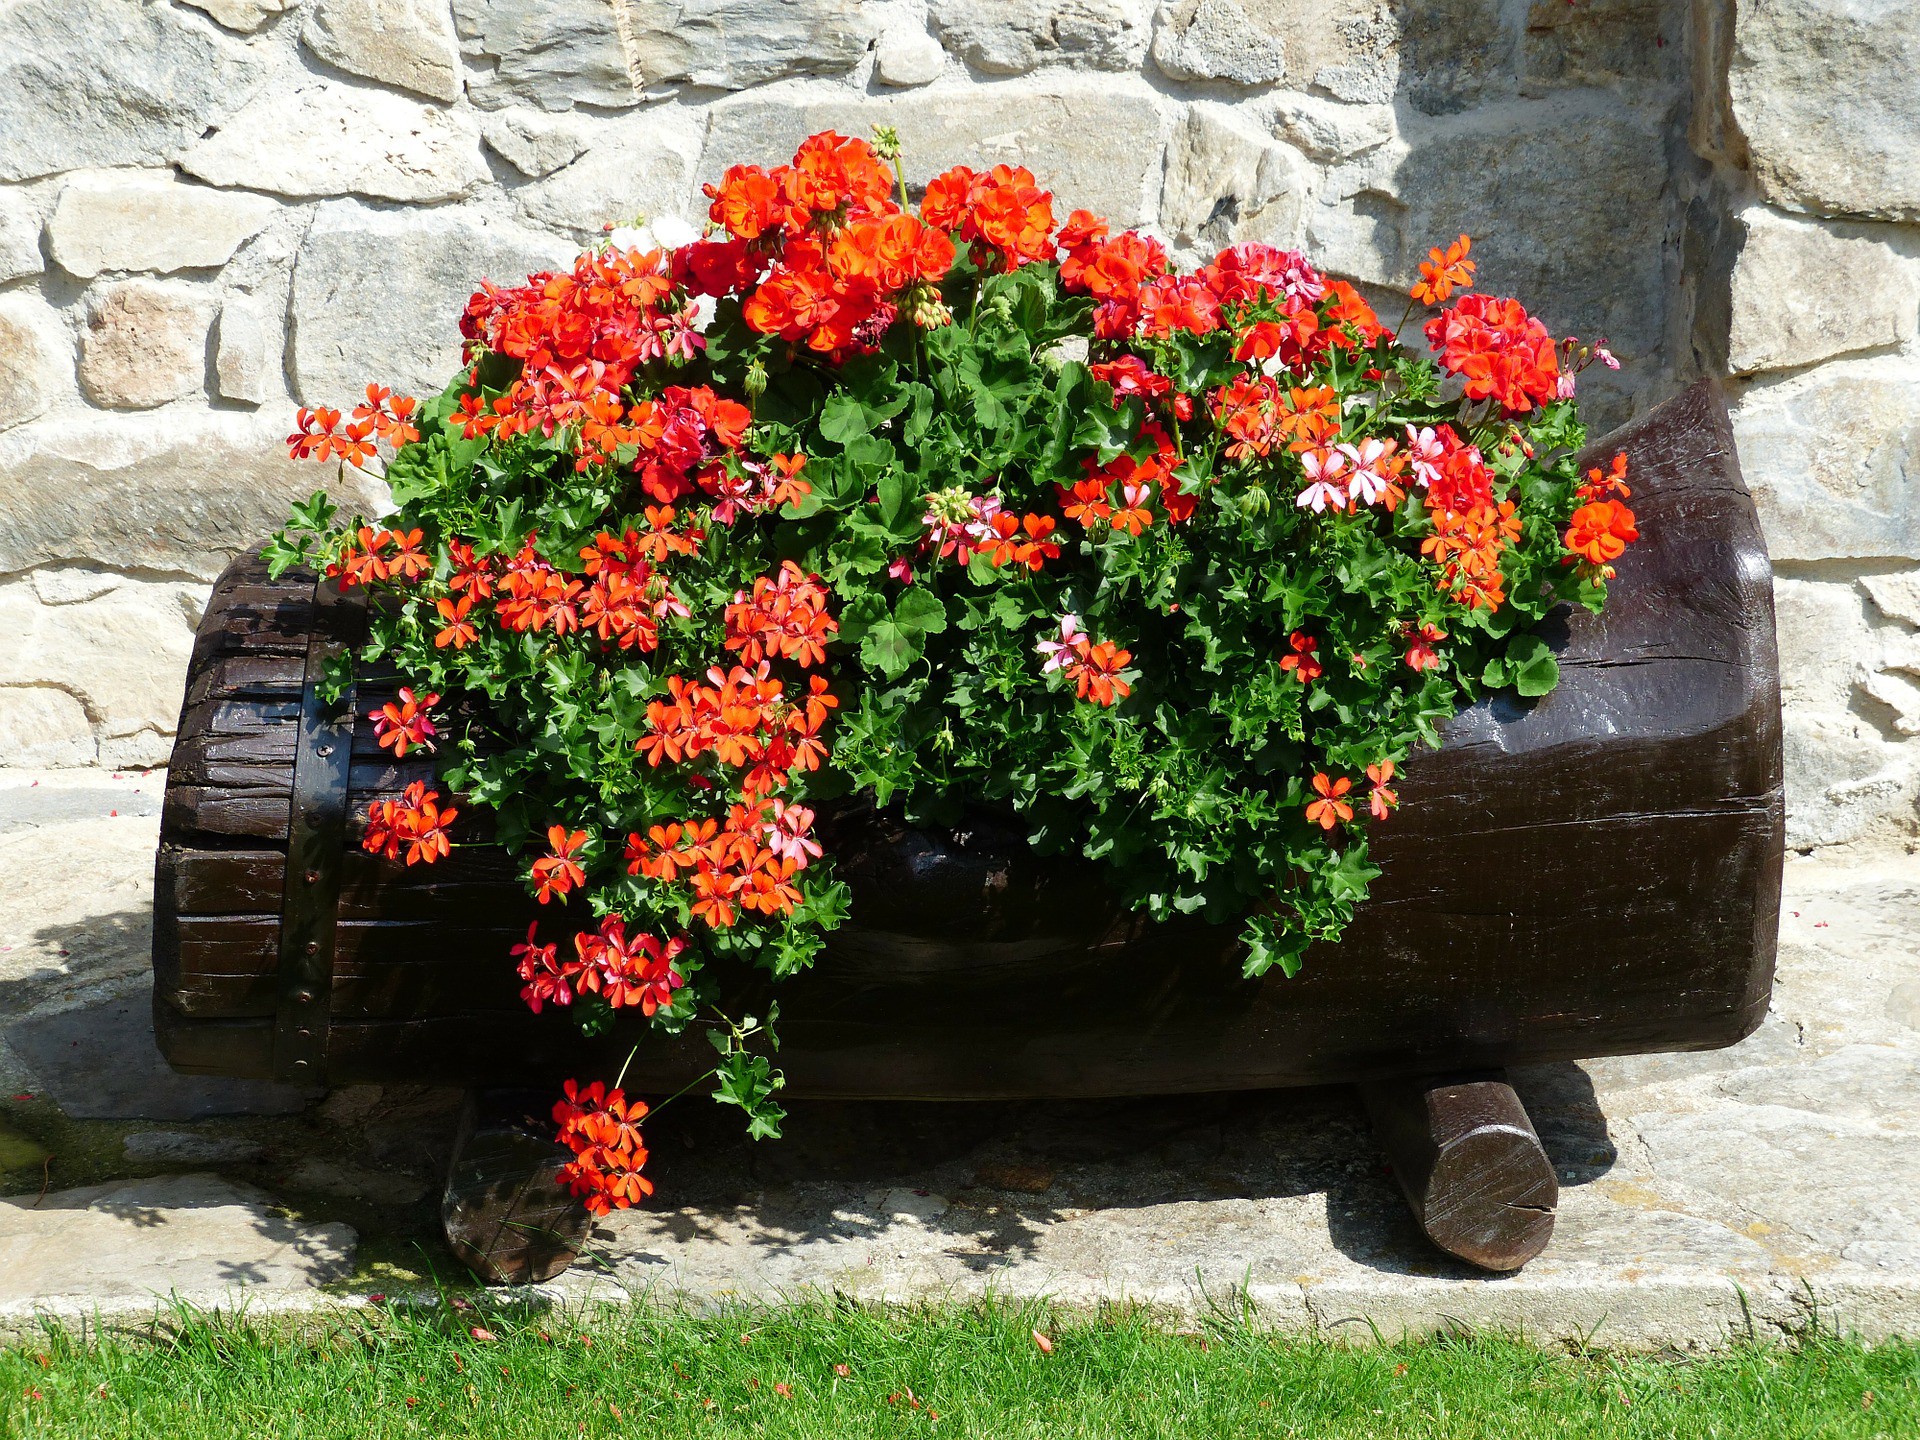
x=1896 y=596
x=550 y=53
x=732 y=44
x=638 y=165
x=121 y=654
x=246 y=16
x=180 y=492
x=1095 y=143
x=1011 y=37
x=112 y=83
x=1833 y=460
x=19 y=238
x=1259 y=42
x=907 y=55
x=35 y=359
x=1227 y=182
x=1566 y=224
x=185 y=1147
x=377 y=294
x=409 y=44
x=1329 y=131
x=1602 y=42
x=1823 y=91
x=145 y=343
x=148 y=220
x=1788 y=283
x=42 y=726
x=325 y=138
x=535 y=142
x=246 y=356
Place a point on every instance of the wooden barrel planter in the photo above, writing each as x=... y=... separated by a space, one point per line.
x=1595 y=873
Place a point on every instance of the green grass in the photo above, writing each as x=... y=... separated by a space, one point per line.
x=976 y=1371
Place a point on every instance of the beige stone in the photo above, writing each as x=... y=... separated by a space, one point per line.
x=145 y=343
x=639 y=165
x=121 y=655
x=1011 y=37
x=325 y=138
x=1327 y=130
x=553 y=54
x=1833 y=460
x=1897 y=596
x=246 y=357
x=1228 y=182
x=179 y=492
x=35 y=359
x=1094 y=142
x=1785 y=283
x=19 y=238
x=245 y=16
x=41 y=725
x=148 y=220
x=1823 y=91
x=733 y=44
x=405 y=43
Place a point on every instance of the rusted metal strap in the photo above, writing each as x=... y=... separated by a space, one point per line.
x=316 y=840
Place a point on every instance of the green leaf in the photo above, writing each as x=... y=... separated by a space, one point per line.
x=1531 y=665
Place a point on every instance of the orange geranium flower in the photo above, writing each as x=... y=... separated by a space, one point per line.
x=1380 y=799
x=1331 y=808
x=403 y=723
x=1601 y=532
x=1303 y=662
x=559 y=873
x=1441 y=272
x=415 y=825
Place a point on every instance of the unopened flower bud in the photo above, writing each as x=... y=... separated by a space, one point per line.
x=886 y=143
x=756 y=382
x=926 y=307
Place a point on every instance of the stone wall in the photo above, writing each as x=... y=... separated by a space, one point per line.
x=212 y=211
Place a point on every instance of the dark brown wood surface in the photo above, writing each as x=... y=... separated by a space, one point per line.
x=1470 y=1164
x=503 y=1211
x=1595 y=873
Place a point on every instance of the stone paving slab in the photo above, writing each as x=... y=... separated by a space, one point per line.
x=1750 y=1190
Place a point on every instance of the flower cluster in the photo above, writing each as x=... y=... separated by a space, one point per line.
x=851 y=501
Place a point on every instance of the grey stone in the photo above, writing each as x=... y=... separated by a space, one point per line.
x=137 y=1246
x=907 y=55
x=246 y=357
x=245 y=16
x=19 y=238
x=1457 y=53
x=534 y=142
x=1227 y=182
x=550 y=53
x=326 y=138
x=1601 y=42
x=1011 y=37
x=38 y=807
x=1095 y=143
x=145 y=343
x=178 y=492
x=183 y=1147
x=355 y=1182
x=99 y=1061
x=1328 y=130
x=733 y=44
x=1823 y=92
x=409 y=44
x=639 y=165
x=1258 y=42
x=111 y=83
x=148 y=220
x=42 y=726
x=377 y=295
x=1787 y=272
x=1833 y=460
x=35 y=359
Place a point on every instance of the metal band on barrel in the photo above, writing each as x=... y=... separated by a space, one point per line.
x=316 y=840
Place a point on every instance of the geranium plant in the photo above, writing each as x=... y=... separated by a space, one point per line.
x=940 y=506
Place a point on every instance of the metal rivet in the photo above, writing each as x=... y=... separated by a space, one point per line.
x=313 y=877
x=313 y=947
x=304 y=1035
x=323 y=750
x=300 y=1064
x=305 y=997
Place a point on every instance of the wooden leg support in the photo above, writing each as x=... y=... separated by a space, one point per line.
x=503 y=1212
x=1470 y=1164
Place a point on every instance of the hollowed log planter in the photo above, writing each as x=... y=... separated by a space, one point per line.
x=1593 y=874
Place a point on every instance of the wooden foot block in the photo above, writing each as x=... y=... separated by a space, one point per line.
x=503 y=1212
x=1470 y=1164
